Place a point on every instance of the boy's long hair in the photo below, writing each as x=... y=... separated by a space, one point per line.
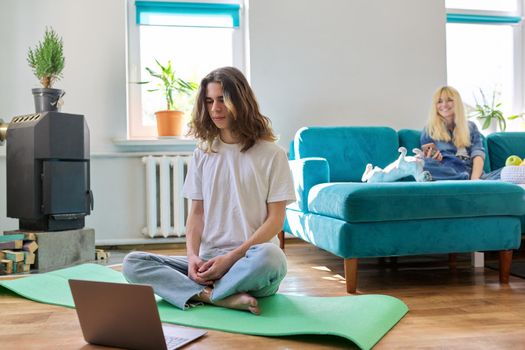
x=248 y=124
x=437 y=128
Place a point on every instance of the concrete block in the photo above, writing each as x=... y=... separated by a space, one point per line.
x=64 y=248
x=58 y=249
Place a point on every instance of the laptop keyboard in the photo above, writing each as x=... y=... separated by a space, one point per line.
x=173 y=342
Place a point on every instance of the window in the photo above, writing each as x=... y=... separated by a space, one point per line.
x=196 y=37
x=484 y=52
x=487 y=5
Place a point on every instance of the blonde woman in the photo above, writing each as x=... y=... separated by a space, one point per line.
x=452 y=145
x=239 y=183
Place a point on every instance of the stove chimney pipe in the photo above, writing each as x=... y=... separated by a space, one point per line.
x=3 y=131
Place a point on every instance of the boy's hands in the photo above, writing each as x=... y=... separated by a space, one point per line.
x=207 y=272
x=194 y=264
x=215 y=268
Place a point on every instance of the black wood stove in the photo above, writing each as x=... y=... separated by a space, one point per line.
x=48 y=176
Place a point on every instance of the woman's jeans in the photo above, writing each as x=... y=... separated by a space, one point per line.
x=258 y=273
x=449 y=171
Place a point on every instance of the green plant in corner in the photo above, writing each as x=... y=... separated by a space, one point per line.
x=47 y=58
x=169 y=83
x=489 y=112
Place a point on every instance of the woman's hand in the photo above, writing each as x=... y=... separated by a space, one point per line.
x=215 y=268
x=194 y=264
x=430 y=151
x=438 y=156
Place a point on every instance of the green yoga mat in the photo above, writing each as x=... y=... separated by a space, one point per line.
x=362 y=319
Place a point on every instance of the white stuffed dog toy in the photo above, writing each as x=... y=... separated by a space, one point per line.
x=404 y=166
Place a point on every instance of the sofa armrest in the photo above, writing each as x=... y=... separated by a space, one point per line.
x=306 y=173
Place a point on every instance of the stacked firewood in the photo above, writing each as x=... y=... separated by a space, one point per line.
x=101 y=254
x=17 y=252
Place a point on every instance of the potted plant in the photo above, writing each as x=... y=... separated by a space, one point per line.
x=489 y=114
x=170 y=122
x=47 y=61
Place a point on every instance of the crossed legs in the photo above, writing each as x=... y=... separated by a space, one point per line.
x=257 y=274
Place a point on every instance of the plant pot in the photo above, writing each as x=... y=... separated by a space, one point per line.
x=170 y=123
x=47 y=100
x=492 y=128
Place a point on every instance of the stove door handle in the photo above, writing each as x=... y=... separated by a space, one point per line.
x=91 y=199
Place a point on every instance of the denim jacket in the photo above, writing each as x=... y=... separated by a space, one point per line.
x=459 y=159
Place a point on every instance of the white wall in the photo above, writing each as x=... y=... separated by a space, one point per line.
x=94 y=46
x=367 y=62
x=340 y=62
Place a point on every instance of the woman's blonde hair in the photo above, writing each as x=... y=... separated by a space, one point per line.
x=248 y=124
x=437 y=128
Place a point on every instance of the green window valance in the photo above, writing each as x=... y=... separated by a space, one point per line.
x=187 y=14
x=481 y=19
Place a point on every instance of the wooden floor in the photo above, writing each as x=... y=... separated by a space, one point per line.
x=462 y=309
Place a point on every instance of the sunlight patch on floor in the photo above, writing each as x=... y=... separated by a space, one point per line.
x=334 y=278
x=321 y=268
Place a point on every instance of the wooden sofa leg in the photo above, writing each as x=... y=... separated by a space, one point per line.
x=452 y=261
x=351 y=275
x=280 y=235
x=505 y=261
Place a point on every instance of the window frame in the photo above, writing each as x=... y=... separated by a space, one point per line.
x=135 y=129
x=506 y=18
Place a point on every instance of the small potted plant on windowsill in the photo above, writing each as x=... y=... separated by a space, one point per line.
x=170 y=122
x=489 y=114
x=47 y=61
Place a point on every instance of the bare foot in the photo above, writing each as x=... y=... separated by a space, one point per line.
x=240 y=301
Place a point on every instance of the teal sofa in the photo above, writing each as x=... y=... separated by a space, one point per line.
x=335 y=211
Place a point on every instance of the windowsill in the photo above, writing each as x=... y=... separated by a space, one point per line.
x=152 y=141
x=171 y=144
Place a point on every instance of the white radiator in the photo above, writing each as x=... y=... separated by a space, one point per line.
x=166 y=208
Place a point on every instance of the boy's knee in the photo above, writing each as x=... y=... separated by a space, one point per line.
x=134 y=258
x=269 y=257
x=130 y=263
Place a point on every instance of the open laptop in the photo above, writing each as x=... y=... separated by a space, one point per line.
x=125 y=316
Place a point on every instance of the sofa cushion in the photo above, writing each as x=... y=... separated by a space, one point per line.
x=410 y=139
x=504 y=144
x=347 y=149
x=369 y=202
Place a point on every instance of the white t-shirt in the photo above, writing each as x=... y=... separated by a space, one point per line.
x=235 y=187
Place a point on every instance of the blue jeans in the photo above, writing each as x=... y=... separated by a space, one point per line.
x=258 y=273
x=450 y=171
x=443 y=170
x=493 y=175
